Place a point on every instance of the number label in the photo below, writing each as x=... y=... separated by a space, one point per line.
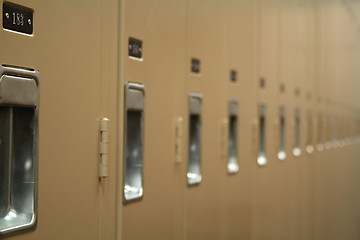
x=17 y=18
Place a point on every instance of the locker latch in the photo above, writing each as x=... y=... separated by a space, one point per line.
x=104 y=148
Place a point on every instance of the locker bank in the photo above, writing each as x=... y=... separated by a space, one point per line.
x=180 y=119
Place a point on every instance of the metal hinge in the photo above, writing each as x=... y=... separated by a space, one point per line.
x=104 y=148
x=178 y=140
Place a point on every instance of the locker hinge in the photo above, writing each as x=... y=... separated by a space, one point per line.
x=104 y=148
x=178 y=140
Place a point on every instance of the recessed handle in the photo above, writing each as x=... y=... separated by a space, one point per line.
x=297 y=125
x=281 y=151
x=261 y=160
x=194 y=160
x=309 y=141
x=19 y=91
x=134 y=141
x=19 y=114
x=233 y=163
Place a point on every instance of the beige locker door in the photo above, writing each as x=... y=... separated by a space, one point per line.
x=302 y=71
x=160 y=26
x=287 y=75
x=337 y=192
x=325 y=157
x=283 y=117
x=241 y=54
x=75 y=78
x=310 y=113
x=266 y=189
x=205 y=215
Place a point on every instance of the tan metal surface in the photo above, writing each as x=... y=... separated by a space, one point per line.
x=159 y=25
x=81 y=51
x=71 y=49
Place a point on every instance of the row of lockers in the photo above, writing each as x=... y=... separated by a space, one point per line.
x=271 y=57
x=168 y=119
x=332 y=134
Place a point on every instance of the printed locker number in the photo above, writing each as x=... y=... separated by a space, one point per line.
x=17 y=18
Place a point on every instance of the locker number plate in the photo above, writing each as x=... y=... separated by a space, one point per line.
x=17 y=18
x=135 y=48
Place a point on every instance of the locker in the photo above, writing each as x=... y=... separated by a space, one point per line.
x=159 y=26
x=179 y=119
x=240 y=48
x=266 y=191
x=205 y=41
x=75 y=92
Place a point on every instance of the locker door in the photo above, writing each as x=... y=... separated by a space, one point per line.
x=205 y=217
x=240 y=47
x=335 y=186
x=152 y=55
x=303 y=37
x=310 y=114
x=266 y=193
x=288 y=77
x=66 y=48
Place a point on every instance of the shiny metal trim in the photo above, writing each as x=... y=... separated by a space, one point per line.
x=297 y=132
x=320 y=132
x=17 y=91
x=22 y=98
x=195 y=103
x=233 y=155
x=133 y=143
x=194 y=158
x=282 y=134
x=135 y=96
x=261 y=159
x=310 y=128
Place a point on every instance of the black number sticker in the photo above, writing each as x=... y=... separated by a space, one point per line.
x=17 y=18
